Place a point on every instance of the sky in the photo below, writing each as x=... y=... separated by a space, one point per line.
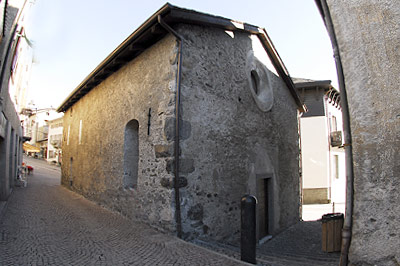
x=72 y=37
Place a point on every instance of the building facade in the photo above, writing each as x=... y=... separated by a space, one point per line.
x=323 y=160
x=11 y=136
x=22 y=64
x=237 y=131
x=36 y=128
x=54 y=145
x=365 y=36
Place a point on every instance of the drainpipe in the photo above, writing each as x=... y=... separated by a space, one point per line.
x=177 y=125
x=347 y=226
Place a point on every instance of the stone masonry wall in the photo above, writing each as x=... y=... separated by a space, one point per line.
x=229 y=145
x=368 y=34
x=94 y=166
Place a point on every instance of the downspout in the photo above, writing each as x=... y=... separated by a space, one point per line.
x=178 y=219
x=347 y=226
x=300 y=165
x=329 y=149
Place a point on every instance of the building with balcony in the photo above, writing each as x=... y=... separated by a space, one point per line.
x=11 y=135
x=322 y=153
x=36 y=128
x=54 y=145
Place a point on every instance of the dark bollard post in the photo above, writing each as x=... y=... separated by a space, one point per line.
x=248 y=229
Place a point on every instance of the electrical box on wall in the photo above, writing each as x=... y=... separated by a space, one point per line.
x=336 y=138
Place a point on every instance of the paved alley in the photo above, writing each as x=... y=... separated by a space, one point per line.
x=299 y=245
x=46 y=224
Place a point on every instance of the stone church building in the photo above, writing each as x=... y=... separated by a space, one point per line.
x=237 y=132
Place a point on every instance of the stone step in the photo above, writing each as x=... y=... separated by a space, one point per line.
x=299 y=255
x=281 y=260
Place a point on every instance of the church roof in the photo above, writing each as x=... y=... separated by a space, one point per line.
x=151 y=32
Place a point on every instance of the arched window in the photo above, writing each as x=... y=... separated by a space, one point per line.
x=131 y=154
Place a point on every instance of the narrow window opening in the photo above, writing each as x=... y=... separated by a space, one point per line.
x=131 y=154
x=333 y=124
x=71 y=160
x=69 y=130
x=80 y=132
x=149 y=122
x=336 y=166
x=255 y=81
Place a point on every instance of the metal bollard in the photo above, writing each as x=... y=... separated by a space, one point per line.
x=248 y=229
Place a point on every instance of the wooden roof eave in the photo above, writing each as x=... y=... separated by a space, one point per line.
x=149 y=33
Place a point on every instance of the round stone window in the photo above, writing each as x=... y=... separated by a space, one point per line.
x=259 y=83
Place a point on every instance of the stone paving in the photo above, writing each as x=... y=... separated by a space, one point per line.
x=46 y=224
x=300 y=245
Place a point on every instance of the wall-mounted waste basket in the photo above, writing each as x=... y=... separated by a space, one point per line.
x=332 y=224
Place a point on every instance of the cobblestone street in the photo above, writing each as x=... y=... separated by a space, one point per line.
x=299 y=245
x=46 y=224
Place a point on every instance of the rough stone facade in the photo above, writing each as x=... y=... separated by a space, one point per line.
x=368 y=34
x=94 y=165
x=233 y=144
x=228 y=145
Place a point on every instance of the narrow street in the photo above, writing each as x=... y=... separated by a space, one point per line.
x=46 y=224
x=299 y=245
